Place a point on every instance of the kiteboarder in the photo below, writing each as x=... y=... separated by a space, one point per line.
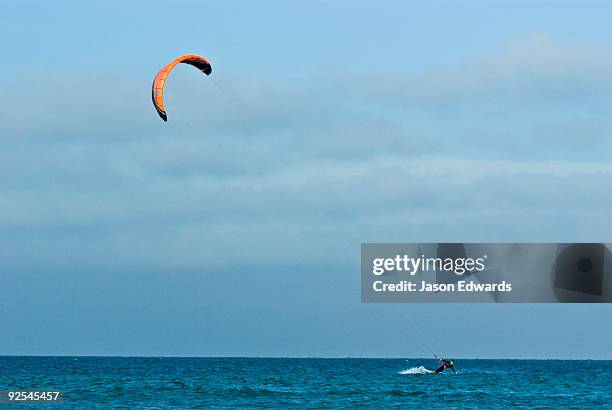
x=445 y=364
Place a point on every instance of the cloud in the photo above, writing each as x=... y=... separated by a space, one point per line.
x=302 y=170
x=534 y=66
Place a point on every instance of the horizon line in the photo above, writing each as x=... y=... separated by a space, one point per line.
x=296 y=357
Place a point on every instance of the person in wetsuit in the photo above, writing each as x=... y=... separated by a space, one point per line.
x=445 y=364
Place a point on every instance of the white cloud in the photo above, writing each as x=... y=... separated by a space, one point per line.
x=312 y=166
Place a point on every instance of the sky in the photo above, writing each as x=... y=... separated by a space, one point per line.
x=234 y=229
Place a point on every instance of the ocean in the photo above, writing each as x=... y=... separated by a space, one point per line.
x=134 y=382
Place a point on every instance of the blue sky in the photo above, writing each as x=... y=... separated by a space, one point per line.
x=235 y=228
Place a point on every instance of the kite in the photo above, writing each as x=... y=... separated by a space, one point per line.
x=159 y=82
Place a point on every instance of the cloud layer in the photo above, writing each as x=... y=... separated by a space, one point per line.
x=270 y=175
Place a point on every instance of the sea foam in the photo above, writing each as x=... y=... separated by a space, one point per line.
x=416 y=370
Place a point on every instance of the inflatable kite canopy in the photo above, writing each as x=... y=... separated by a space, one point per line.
x=159 y=82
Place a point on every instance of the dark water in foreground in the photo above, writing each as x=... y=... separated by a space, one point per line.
x=107 y=382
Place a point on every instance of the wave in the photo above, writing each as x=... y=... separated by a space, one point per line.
x=416 y=370
x=256 y=391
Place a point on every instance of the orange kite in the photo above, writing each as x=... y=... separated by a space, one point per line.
x=160 y=79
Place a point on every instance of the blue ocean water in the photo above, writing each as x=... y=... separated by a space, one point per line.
x=111 y=382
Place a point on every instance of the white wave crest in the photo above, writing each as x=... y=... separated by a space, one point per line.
x=416 y=370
